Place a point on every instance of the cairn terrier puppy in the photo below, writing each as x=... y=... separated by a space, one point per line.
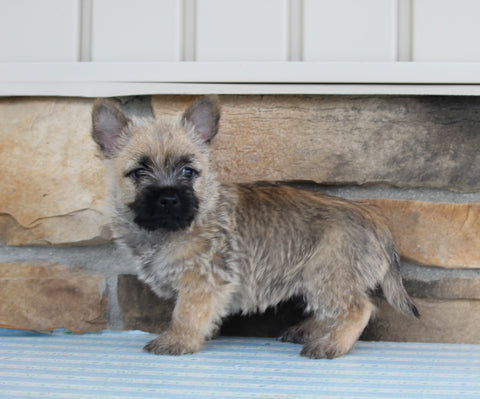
x=219 y=248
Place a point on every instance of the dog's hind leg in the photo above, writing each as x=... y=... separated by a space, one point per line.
x=343 y=330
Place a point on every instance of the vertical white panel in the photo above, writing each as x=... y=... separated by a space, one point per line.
x=349 y=30
x=246 y=30
x=295 y=28
x=85 y=45
x=404 y=30
x=188 y=30
x=140 y=30
x=34 y=30
x=446 y=30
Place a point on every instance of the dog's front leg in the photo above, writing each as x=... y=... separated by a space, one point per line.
x=200 y=305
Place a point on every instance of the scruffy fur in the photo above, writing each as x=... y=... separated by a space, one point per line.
x=222 y=248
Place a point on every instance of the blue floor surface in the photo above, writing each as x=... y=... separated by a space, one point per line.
x=112 y=365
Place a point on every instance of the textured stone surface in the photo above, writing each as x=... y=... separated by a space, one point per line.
x=52 y=187
x=43 y=296
x=448 y=321
x=439 y=283
x=401 y=141
x=141 y=308
x=108 y=260
x=446 y=235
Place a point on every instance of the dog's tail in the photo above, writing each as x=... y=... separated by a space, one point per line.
x=394 y=290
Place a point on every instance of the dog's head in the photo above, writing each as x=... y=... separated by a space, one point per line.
x=159 y=170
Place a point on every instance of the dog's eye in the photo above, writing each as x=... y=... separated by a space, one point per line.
x=138 y=173
x=189 y=173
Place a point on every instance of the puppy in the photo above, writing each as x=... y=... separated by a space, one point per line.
x=219 y=248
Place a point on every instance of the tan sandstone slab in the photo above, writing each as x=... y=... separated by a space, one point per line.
x=437 y=234
x=43 y=296
x=447 y=321
x=141 y=308
x=417 y=141
x=52 y=187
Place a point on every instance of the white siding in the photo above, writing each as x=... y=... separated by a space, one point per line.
x=233 y=30
x=143 y=30
x=446 y=30
x=247 y=30
x=39 y=30
x=62 y=45
x=349 y=30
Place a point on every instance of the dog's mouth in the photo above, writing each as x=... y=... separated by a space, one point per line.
x=169 y=208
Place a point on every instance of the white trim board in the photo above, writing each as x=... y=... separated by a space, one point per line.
x=118 y=89
x=114 y=79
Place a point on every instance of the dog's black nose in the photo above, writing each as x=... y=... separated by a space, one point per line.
x=168 y=200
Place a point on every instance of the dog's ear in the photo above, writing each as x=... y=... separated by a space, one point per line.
x=110 y=127
x=204 y=115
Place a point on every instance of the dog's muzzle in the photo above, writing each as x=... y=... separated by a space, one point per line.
x=170 y=208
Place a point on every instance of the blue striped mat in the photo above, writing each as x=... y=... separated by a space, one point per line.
x=112 y=365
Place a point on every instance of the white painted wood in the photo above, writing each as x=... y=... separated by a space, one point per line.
x=349 y=30
x=245 y=72
x=404 y=30
x=446 y=30
x=143 y=30
x=239 y=47
x=295 y=30
x=114 y=89
x=33 y=30
x=85 y=44
x=246 y=30
x=188 y=30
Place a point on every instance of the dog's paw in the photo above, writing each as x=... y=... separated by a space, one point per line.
x=170 y=344
x=324 y=348
x=305 y=331
x=295 y=334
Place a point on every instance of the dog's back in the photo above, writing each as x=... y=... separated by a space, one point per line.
x=285 y=234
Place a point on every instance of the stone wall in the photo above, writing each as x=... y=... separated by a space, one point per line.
x=416 y=158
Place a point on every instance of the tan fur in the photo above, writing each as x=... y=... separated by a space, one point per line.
x=198 y=306
x=249 y=246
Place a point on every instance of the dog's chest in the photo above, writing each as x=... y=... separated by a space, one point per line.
x=158 y=269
